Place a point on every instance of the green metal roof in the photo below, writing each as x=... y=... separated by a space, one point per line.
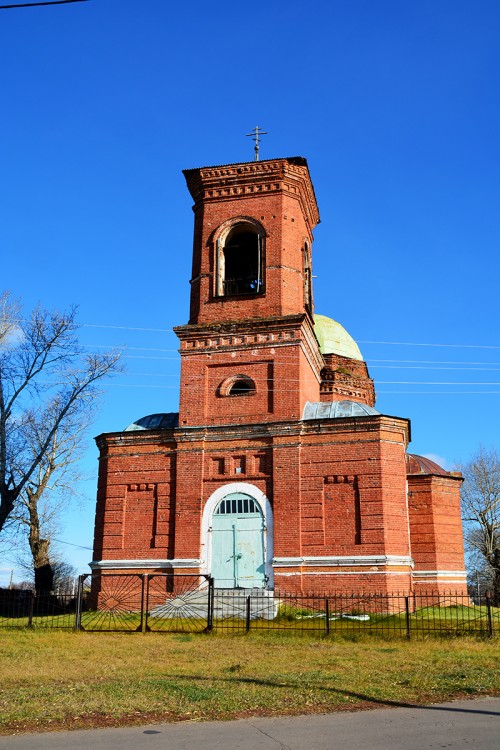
x=334 y=339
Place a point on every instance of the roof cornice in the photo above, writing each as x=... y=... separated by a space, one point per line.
x=232 y=181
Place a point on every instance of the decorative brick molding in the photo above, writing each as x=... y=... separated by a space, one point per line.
x=212 y=184
x=345 y=378
x=340 y=479
x=372 y=561
x=146 y=564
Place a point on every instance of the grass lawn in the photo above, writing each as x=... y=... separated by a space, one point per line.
x=64 y=680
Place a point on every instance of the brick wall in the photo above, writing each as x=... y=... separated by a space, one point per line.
x=436 y=529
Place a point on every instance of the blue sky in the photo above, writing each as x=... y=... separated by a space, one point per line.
x=394 y=104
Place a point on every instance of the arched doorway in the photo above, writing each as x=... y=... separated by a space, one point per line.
x=237 y=539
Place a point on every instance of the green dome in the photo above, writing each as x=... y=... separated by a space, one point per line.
x=334 y=339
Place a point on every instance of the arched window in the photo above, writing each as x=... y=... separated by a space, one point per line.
x=237 y=385
x=239 y=260
x=308 y=297
x=242 y=387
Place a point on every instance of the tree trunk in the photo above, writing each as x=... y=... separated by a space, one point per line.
x=496 y=580
x=44 y=575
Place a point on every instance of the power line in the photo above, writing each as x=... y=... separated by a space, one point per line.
x=359 y=341
x=414 y=343
x=416 y=367
x=126 y=328
x=150 y=374
x=164 y=359
x=48 y=2
x=126 y=347
x=201 y=377
x=71 y=544
x=438 y=393
x=469 y=365
x=294 y=390
x=140 y=385
x=427 y=382
x=432 y=362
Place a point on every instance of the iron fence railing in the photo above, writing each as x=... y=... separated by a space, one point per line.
x=25 y=608
x=168 y=602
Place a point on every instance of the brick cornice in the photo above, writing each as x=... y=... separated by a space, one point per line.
x=238 y=327
x=250 y=334
x=165 y=438
x=372 y=423
x=232 y=181
x=433 y=478
x=183 y=438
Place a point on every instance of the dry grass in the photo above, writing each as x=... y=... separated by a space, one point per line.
x=53 y=680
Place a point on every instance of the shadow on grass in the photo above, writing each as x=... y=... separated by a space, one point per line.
x=347 y=693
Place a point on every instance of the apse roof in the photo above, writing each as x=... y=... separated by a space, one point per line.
x=422 y=465
x=166 y=421
x=334 y=339
x=337 y=410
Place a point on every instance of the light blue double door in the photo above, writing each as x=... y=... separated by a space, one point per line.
x=238 y=543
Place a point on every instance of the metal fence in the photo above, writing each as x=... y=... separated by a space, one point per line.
x=163 y=602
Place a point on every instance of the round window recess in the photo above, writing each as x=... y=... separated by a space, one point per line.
x=238 y=385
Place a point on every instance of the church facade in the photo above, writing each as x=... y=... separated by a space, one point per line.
x=277 y=472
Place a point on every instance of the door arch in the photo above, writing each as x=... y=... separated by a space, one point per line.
x=237 y=537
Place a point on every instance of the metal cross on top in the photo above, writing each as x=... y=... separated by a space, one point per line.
x=256 y=132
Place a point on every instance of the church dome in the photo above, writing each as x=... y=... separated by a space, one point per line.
x=337 y=410
x=334 y=339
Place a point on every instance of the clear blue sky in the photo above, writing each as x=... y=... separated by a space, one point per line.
x=394 y=104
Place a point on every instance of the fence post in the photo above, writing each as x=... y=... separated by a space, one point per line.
x=407 y=613
x=210 y=607
x=79 y=602
x=30 y=609
x=327 y=616
x=141 y=626
x=488 y=612
x=248 y=610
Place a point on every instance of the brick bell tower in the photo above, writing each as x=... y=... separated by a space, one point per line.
x=249 y=353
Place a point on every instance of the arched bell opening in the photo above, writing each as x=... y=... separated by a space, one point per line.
x=239 y=259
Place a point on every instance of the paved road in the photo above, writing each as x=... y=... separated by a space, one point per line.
x=461 y=725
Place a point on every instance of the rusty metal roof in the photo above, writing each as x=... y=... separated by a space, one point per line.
x=422 y=465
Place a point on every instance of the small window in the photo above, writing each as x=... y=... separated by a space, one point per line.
x=237 y=385
x=239 y=261
x=242 y=388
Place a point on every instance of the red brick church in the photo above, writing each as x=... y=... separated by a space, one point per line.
x=277 y=472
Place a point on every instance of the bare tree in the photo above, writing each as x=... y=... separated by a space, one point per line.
x=481 y=513
x=49 y=491
x=48 y=389
x=10 y=314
